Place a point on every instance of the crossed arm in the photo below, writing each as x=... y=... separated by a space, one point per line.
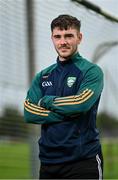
x=53 y=109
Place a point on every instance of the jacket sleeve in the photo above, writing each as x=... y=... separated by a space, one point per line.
x=88 y=93
x=33 y=113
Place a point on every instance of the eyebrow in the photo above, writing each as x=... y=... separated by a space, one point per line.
x=65 y=35
x=69 y=34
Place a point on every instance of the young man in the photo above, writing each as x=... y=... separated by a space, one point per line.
x=64 y=99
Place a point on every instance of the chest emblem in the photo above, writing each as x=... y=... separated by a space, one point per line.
x=70 y=81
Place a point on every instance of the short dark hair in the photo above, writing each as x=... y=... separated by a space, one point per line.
x=65 y=21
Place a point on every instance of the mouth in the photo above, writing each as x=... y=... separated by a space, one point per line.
x=64 y=48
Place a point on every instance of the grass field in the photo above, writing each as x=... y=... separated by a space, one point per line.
x=15 y=160
x=110 y=154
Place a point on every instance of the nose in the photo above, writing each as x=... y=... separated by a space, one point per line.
x=63 y=41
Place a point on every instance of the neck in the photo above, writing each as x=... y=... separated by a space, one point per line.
x=62 y=59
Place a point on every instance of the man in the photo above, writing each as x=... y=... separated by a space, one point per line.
x=64 y=99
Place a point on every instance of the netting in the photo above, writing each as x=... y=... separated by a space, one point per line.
x=13 y=53
x=99 y=44
x=96 y=30
x=14 y=149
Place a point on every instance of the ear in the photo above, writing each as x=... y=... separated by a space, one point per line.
x=79 y=37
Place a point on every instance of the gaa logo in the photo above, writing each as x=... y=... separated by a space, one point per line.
x=46 y=83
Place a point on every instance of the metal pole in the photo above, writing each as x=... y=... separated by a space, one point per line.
x=30 y=31
x=31 y=72
x=96 y=9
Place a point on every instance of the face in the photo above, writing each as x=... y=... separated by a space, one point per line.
x=66 y=42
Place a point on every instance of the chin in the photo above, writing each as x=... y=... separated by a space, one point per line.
x=65 y=55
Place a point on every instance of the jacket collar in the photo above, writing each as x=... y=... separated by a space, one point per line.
x=73 y=58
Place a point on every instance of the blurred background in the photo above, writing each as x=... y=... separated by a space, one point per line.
x=26 y=48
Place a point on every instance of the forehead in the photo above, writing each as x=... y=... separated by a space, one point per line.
x=57 y=30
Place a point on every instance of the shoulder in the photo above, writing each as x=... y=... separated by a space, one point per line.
x=86 y=66
x=49 y=69
x=46 y=71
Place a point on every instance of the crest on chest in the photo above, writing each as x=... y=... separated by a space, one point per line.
x=70 y=81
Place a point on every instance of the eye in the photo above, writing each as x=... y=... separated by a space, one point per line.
x=69 y=35
x=57 y=36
